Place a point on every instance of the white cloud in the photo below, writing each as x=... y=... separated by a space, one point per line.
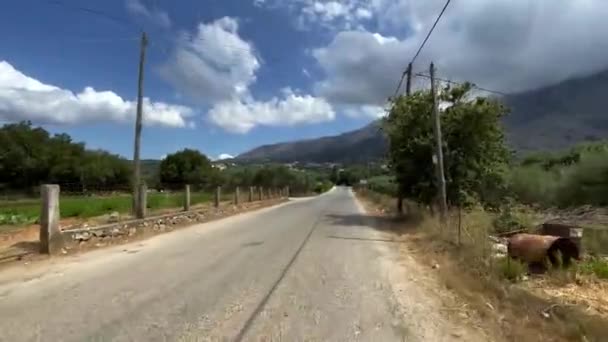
x=334 y=14
x=25 y=98
x=240 y=116
x=363 y=13
x=224 y=156
x=508 y=45
x=214 y=64
x=159 y=17
x=364 y=111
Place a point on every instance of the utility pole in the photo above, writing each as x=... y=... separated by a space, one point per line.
x=408 y=83
x=138 y=123
x=443 y=207
x=408 y=92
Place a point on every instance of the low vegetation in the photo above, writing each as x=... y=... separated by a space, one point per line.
x=28 y=212
x=575 y=177
x=491 y=191
x=491 y=284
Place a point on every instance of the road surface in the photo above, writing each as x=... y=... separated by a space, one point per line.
x=303 y=271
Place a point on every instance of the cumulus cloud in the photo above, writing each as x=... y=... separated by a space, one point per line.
x=364 y=111
x=334 y=14
x=213 y=64
x=241 y=115
x=224 y=156
x=361 y=67
x=25 y=98
x=157 y=16
x=507 y=45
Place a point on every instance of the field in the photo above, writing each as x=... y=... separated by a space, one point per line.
x=27 y=211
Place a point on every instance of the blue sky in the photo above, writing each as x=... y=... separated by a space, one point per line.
x=224 y=76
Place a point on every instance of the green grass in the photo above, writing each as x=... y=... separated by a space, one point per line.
x=28 y=211
x=597 y=266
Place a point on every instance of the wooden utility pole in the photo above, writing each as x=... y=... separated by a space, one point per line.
x=443 y=207
x=138 y=123
x=408 y=83
x=408 y=91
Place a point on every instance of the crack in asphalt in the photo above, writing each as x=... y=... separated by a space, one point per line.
x=239 y=337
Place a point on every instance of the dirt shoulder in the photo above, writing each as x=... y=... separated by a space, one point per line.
x=429 y=310
x=496 y=310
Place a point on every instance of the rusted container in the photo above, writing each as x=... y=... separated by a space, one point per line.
x=532 y=248
x=565 y=230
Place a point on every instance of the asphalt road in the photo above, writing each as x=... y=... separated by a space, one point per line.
x=303 y=271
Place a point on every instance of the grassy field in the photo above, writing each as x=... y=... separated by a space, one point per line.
x=28 y=211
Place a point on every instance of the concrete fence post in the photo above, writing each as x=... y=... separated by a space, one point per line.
x=260 y=193
x=280 y=192
x=237 y=195
x=142 y=201
x=250 y=194
x=187 y=197
x=287 y=193
x=51 y=241
x=218 y=196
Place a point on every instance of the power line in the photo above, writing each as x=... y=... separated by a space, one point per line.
x=399 y=84
x=96 y=12
x=428 y=35
x=460 y=83
x=431 y=31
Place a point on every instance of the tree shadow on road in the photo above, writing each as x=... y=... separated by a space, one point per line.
x=398 y=224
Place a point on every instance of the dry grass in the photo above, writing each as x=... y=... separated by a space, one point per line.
x=514 y=311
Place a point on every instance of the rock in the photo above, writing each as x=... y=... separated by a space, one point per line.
x=99 y=233
x=162 y=227
x=435 y=266
x=114 y=217
x=132 y=231
x=500 y=248
x=84 y=236
x=116 y=231
x=63 y=251
x=145 y=224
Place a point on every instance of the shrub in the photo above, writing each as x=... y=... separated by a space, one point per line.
x=585 y=182
x=534 y=185
x=511 y=269
x=512 y=218
x=322 y=187
x=597 y=266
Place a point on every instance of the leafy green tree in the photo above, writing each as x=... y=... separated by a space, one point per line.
x=187 y=166
x=30 y=156
x=475 y=154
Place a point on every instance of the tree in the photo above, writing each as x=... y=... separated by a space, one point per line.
x=187 y=167
x=475 y=154
x=30 y=156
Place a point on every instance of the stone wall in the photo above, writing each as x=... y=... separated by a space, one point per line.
x=74 y=239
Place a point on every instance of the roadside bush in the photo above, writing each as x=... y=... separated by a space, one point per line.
x=512 y=218
x=322 y=187
x=597 y=266
x=585 y=182
x=511 y=269
x=383 y=184
x=534 y=185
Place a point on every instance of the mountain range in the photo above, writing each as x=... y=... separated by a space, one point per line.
x=548 y=118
